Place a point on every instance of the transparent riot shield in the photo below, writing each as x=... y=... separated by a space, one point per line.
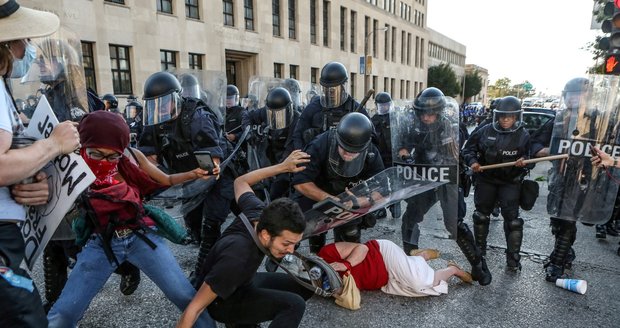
x=57 y=74
x=209 y=86
x=425 y=146
x=390 y=186
x=588 y=116
x=259 y=87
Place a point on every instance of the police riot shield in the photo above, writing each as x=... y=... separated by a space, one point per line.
x=313 y=91
x=588 y=116
x=259 y=87
x=425 y=146
x=390 y=186
x=56 y=72
x=209 y=86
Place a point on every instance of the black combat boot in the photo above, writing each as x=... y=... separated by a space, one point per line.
x=130 y=278
x=601 y=231
x=481 y=231
x=479 y=270
x=55 y=273
x=562 y=252
x=513 y=230
x=210 y=234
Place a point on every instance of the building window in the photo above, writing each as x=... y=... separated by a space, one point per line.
x=314 y=74
x=386 y=85
x=394 y=44
x=366 y=30
x=375 y=37
x=421 y=53
x=326 y=23
x=294 y=71
x=229 y=13
x=386 y=45
x=248 y=8
x=353 y=84
x=121 y=70
x=191 y=9
x=409 y=49
x=402 y=89
x=278 y=70
x=403 y=55
x=408 y=87
x=120 y=2
x=292 y=11
x=164 y=6
x=168 y=59
x=353 y=22
x=343 y=27
x=375 y=82
x=275 y=13
x=195 y=61
x=313 y=21
x=88 y=59
x=393 y=86
x=417 y=50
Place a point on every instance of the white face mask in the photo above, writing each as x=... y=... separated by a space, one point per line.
x=21 y=66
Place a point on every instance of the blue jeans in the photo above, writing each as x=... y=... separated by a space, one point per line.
x=93 y=269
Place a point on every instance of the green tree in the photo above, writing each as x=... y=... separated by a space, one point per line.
x=473 y=84
x=443 y=77
x=500 y=88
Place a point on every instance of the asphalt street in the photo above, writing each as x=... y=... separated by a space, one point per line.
x=521 y=299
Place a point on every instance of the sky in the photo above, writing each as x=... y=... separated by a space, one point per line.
x=534 y=40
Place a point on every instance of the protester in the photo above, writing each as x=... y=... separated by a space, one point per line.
x=20 y=303
x=381 y=264
x=122 y=230
x=232 y=291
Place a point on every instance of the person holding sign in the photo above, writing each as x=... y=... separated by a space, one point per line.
x=122 y=230
x=20 y=304
x=504 y=140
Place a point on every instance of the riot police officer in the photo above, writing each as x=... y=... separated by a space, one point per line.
x=111 y=102
x=178 y=126
x=293 y=87
x=133 y=117
x=234 y=114
x=565 y=231
x=340 y=158
x=273 y=129
x=383 y=140
x=504 y=140
x=431 y=140
x=326 y=111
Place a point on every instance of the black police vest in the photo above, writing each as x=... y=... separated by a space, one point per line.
x=173 y=140
x=384 y=137
x=233 y=119
x=501 y=148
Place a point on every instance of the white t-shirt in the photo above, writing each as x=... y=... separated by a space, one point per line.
x=10 y=122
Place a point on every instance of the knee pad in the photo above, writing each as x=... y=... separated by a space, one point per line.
x=516 y=224
x=480 y=218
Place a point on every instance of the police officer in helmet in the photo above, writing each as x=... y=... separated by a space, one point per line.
x=574 y=95
x=111 y=102
x=341 y=158
x=293 y=87
x=326 y=111
x=383 y=140
x=234 y=114
x=184 y=125
x=503 y=140
x=133 y=117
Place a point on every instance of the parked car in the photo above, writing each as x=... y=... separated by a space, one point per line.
x=535 y=117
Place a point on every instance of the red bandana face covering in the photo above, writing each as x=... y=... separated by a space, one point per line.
x=103 y=170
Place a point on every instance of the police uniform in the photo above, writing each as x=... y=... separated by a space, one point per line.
x=488 y=146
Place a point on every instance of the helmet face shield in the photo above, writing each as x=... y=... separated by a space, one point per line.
x=343 y=160
x=131 y=111
x=333 y=97
x=232 y=100
x=161 y=109
x=384 y=108
x=507 y=121
x=278 y=118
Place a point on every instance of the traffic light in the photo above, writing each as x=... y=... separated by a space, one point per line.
x=611 y=25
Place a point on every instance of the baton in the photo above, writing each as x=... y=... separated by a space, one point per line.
x=233 y=129
x=365 y=100
x=527 y=161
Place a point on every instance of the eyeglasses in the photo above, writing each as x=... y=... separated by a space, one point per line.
x=96 y=155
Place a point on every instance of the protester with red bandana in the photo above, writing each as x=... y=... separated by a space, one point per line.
x=122 y=229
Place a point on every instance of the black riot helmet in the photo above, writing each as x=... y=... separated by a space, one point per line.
x=429 y=101
x=576 y=92
x=111 y=100
x=190 y=87
x=493 y=104
x=232 y=95
x=349 y=144
x=334 y=77
x=383 y=102
x=279 y=112
x=508 y=107
x=162 y=98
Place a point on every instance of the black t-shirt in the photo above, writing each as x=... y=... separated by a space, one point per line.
x=234 y=259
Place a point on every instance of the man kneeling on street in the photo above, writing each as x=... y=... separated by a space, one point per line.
x=232 y=291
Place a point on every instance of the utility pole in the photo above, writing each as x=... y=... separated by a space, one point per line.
x=366 y=75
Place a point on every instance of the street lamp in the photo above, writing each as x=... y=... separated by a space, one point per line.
x=385 y=28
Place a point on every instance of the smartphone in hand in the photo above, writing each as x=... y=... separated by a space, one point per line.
x=205 y=161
